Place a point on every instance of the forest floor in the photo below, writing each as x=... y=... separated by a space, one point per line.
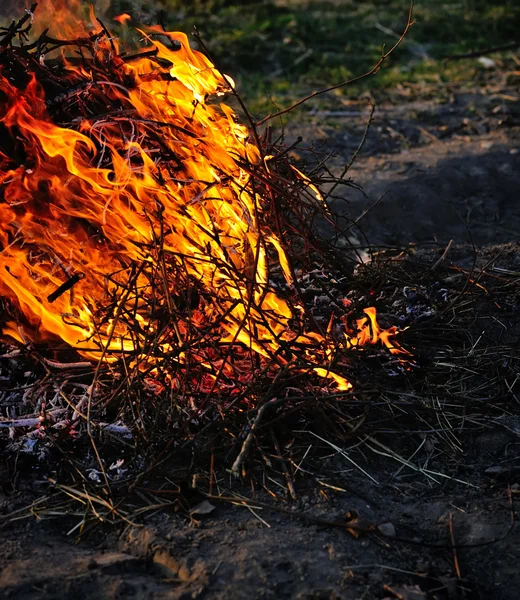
x=446 y=162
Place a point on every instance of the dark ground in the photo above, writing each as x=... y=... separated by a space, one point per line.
x=448 y=161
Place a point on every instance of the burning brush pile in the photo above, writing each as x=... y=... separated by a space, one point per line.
x=159 y=259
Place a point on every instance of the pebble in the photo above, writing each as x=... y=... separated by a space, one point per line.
x=387 y=529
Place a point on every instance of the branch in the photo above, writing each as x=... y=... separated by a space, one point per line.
x=372 y=71
x=483 y=52
x=14 y=28
x=235 y=469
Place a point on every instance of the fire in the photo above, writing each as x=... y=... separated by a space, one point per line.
x=128 y=199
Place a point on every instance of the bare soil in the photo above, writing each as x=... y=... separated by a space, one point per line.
x=449 y=164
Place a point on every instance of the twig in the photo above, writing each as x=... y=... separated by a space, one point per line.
x=16 y=27
x=455 y=557
x=64 y=287
x=235 y=469
x=482 y=52
x=31 y=421
x=288 y=478
x=354 y=527
x=65 y=366
x=438 y=263
x=348 y=166
x=345 y=455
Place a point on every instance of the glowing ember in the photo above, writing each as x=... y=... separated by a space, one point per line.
x=133 y=212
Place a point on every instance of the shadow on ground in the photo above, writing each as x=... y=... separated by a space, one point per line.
x=457 y=190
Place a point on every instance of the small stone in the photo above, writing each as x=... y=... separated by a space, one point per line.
x=486 y=62
x=387 y=529
x=203 y=508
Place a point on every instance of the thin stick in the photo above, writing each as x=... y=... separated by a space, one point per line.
x=16 y=27
x=482 y=52
x=211 y=471
x=235 y=469
x=288 y=478
x=455 y=557
x=357 y=151
x=443 y=257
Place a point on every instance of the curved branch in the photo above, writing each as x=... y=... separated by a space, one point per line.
x=372 y=71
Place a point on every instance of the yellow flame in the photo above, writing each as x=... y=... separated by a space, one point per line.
x=94 y=199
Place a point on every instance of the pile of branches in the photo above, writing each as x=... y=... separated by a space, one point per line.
x=120 y=415
x=66 y=397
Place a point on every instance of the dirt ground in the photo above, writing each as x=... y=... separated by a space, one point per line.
x=448 y=165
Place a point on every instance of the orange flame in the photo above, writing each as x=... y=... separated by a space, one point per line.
x=123 y=19
x=65 y=19
x=93 y=197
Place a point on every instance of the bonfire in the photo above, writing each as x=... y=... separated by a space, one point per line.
x=157 y=243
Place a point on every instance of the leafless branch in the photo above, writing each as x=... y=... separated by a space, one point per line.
x=372 y=71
